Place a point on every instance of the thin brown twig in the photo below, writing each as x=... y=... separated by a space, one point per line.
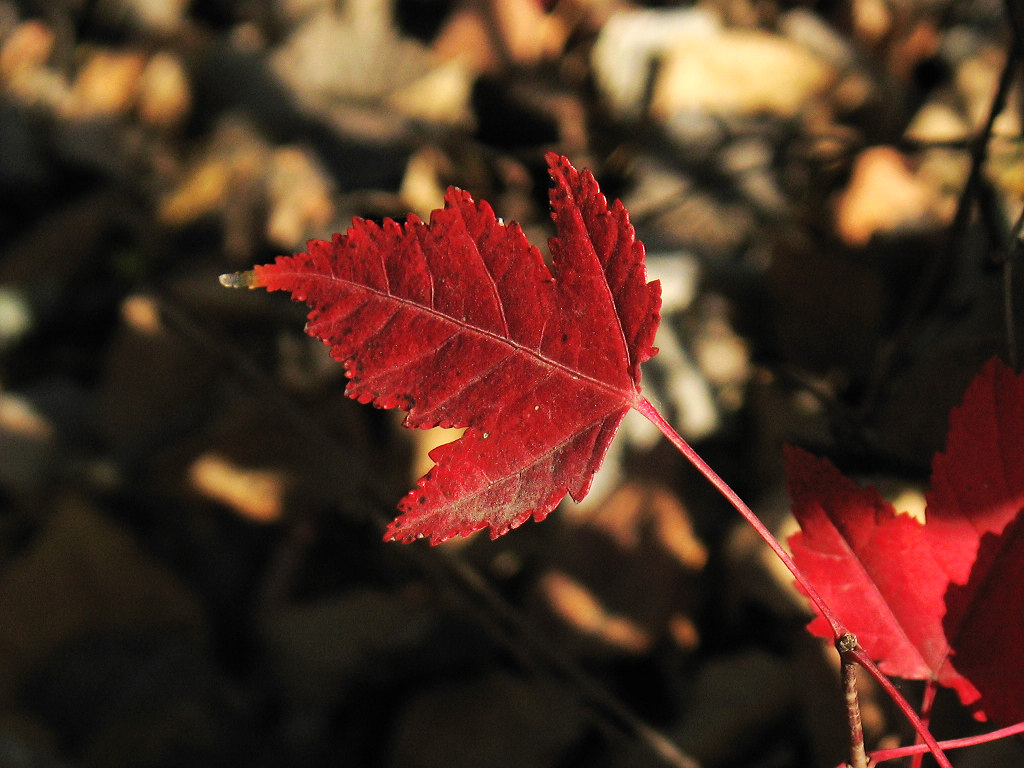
x=1008 y=315
x=846 y=645
x=883 y=680
x=1012 y=249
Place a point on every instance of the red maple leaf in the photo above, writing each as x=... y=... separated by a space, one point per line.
x=462 y=324
x=939 y=601
x=986 y=624
x=977 y=492
x=873 y=567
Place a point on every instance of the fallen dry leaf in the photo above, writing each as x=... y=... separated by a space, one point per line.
x=724 y=74
x=256 y=494
x=884 y=196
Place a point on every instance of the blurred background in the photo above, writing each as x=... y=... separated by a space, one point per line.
x=191 y=565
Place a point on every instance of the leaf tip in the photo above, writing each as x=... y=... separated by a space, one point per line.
x=246 y=279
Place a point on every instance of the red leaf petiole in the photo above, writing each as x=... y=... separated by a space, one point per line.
x=644 y=406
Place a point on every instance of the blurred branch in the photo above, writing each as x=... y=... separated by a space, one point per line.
x=973 y=193
x=1013 y=249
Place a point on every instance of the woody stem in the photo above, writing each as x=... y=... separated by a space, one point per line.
x=845 y=645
